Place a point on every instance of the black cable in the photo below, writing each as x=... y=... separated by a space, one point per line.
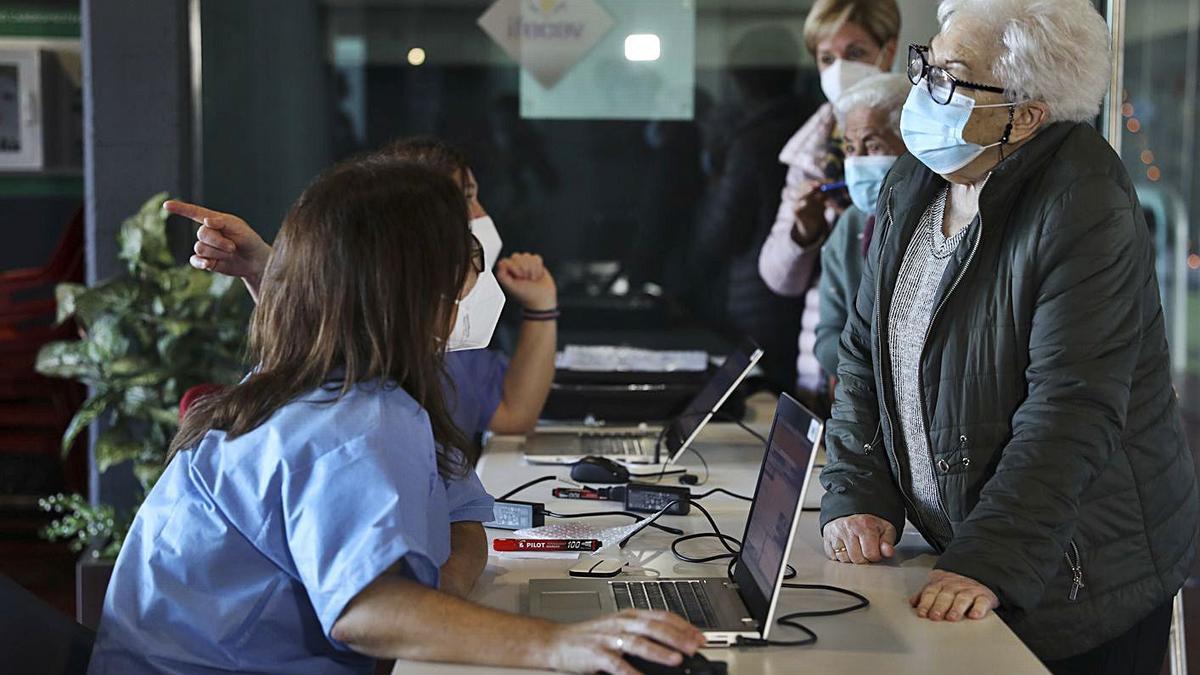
x=782 y=621
x=788 y=620
x=662 y=435
x=525 y=486
x=863 y=602
x=658 y=474
x=704 y=462
x=738 y=421
x=717 y=533
x=722 y=491
x=651 y=523
x=594 y=514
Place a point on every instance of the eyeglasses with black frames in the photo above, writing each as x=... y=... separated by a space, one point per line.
x=941 y=84
x=477 y=256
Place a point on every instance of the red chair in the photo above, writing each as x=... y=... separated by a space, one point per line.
x=194 y=394
x=35 y=410
x=66 y=264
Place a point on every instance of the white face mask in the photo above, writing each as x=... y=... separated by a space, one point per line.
x=843 y=74
x=478 y=314
x=485 y=231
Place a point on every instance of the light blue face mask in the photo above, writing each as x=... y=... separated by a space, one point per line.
x=864 y=179
x=933 y=132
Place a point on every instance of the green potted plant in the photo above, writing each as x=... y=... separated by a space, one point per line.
x=145 y=338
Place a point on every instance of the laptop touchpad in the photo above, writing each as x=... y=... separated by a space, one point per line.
x=570 y=601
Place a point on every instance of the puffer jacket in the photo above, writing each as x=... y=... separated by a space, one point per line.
x=1053 y=426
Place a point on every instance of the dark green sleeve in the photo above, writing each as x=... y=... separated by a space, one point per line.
x=1094 y=262
x=859 y=480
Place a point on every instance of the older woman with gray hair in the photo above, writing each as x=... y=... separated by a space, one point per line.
x=869 y=115
x=1003 y=377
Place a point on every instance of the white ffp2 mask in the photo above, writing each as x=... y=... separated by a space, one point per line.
x=478 y=314
x=485 y=231
x=843 y=74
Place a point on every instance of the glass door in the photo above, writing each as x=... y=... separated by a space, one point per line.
x=1154 y=126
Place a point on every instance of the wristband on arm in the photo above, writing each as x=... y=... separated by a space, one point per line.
x=541 y=314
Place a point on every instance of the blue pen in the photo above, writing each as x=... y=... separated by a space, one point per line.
x=832 y=187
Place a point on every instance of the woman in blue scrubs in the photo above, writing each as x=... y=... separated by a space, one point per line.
x=488 y=392
x=304 y=520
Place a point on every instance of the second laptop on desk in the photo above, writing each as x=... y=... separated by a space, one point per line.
x=727 y=610
x=639 y=445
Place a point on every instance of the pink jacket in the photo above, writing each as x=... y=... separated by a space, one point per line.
x=786 y=268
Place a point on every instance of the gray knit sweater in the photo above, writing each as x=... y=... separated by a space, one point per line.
x=913 y=304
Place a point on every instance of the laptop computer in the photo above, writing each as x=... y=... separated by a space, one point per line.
x=638 y=445
x=724 y=610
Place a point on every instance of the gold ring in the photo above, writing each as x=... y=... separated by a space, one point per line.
x=841 y=549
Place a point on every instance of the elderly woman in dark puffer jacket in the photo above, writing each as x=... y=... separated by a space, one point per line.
x=1004 y=379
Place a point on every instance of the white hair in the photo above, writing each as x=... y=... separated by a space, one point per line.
x=1055 y=51
x=885 y=92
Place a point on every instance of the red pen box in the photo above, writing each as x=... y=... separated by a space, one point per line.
x=546 y=545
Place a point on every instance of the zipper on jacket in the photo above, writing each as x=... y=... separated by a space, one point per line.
x=869 y=446
x=879 y=294
x=1076 y=565
x=920 y=371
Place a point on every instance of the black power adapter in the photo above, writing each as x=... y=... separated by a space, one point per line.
x=647 y=498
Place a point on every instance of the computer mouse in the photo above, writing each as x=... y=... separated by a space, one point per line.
x=695 y=664
x=601 y=470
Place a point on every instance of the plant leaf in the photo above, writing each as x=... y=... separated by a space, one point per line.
x=69 y=360
x=107 y=341
x=148 y=473
x=87 y=413
x=143 y=237
x=113 y=448
x=65 y=295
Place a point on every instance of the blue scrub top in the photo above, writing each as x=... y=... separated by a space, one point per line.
x=476 y=385
x=246 y=551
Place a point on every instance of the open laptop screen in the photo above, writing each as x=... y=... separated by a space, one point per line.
x=710 y=399
x=777 y=499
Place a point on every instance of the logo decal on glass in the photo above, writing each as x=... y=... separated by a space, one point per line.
x=546 y=37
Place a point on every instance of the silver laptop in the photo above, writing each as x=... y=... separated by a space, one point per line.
x=638 y=446
x=724 y=610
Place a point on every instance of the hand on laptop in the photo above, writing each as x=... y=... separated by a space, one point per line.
x=859 y=539
x=600 y=645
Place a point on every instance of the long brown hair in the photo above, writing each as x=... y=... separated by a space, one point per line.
x=360 y=288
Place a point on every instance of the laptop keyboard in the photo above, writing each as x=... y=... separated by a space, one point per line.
x=615 y=445
x=685 y=598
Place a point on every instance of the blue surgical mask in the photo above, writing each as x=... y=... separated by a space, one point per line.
x=864 y=179
x=933 y=133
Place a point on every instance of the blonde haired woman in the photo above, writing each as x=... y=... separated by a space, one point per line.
x=850 y=41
